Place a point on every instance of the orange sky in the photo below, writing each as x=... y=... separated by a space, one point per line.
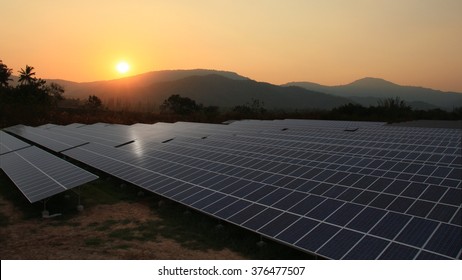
x=410 y=42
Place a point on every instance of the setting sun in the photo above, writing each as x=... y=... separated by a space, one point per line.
x=122 y=67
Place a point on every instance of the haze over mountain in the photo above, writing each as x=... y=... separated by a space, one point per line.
x=209 y=87
x=228 y=89
x=368 y=91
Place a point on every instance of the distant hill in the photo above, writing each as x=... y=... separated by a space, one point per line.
x=209 y=87
x=368 y=90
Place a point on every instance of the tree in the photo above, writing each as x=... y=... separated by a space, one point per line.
x=27 y=76
x=393 y=109
x=94 y=102
x=5 y=74
x=393 y=103
x=180 y=105
x=56 y=92
x=254 y=107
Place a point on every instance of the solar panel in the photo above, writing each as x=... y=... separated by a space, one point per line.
x=377 y=192
x=46 y=137
x=39 y=175
x=9 y=143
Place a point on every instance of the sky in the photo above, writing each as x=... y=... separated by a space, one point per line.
x=331 y=42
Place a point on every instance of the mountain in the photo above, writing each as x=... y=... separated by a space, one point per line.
x=209 y=87
x=367 y=91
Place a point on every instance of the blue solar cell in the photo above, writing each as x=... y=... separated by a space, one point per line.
x=324 y=209
x=171 y=187
x=399 y=252
x=441 y=172
x=345 y=214
x=234 y=186
x=274 y=197
x=312 y=173
x=321 y=188
x=262 y=218
x=247 y=189
x=453 y=197
x=337 y=177
x=300 y=171
x=417 y=232
x=414 y=190
x=340 y=244
x=368 y=182
x=447 y=240
x=279 y=224
x=295 y=183
x=290 y=200
x=452 y=183
x=369 y=248
x=189 y=190
x=420 y=208
x=208 y=200
x=433 y=193
x=396 y=187
x=284 y=181
x=335 y=191
x=232 y=209
x=219 y=204
x=433 y=180
x=260 y=193
x=426 y=170
x=350 y=180
x=197 y=196
x=366 y=219
x=306 y=205
x=246 y=213
x=442 y=212
x=349 y=194
x=457 y=219
x=456 y=173
x=390 y=225
x=382 y=201
x=297 y=230
x=307 y=186
x=317 y=237
x=401 y=204
x=413 y=168
x=365 y=197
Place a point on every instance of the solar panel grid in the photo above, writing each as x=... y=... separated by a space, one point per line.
x=202 y=157
x=9 y=143
x=46 y=137
x=40 y=175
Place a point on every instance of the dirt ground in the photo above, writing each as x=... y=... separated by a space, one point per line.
x=88 y=236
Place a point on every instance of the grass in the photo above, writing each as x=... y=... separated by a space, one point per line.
x=93 y=241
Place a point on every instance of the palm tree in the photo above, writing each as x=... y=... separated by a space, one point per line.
x=5 y=74
x=27 y=76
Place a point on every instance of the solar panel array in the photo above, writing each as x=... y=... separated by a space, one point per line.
x=342 y=190
x=9 y=143
x=36 y=173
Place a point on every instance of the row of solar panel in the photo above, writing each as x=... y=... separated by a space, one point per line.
x=37 y=173
x=398 y=195
x=254 y=193
x=250 y=210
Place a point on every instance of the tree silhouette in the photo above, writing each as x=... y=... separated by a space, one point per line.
x=27 y=76
x=180 y=105
x=94 y=102
x=254 y=107
x=5 y=74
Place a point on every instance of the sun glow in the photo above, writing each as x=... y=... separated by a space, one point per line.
x=122 y=67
